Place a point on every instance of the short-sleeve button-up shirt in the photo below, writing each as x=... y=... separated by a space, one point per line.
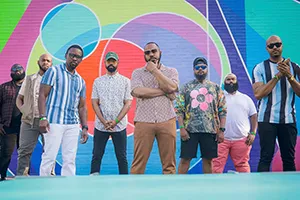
x=111 y=91
x=157 y=109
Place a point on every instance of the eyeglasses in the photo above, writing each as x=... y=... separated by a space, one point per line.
x=203 y=67
x=277 y=44
x=150 y=51
x=74 y=56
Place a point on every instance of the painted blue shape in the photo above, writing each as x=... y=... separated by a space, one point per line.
x=52 y=14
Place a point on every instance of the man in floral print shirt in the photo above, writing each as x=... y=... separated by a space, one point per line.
x=201 y=111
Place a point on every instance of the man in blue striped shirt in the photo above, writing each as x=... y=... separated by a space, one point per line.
x=275 y=83
x=62 y=109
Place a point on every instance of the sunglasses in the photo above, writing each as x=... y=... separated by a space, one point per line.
x=277 y=45
x=203 y=67
x=74 y=56
x=15 y=69
x=150 y=51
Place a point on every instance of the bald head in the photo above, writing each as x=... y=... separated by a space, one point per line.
x=274 y=48
x=231 y=77
x=44 y=62
x=231 y=83
x=273 y=38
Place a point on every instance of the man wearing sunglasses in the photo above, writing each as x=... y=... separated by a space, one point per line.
x=275 y=83
x=27 y=102
x=153 y=86
x=201 y=111
x=10 y=117
x=62 y=108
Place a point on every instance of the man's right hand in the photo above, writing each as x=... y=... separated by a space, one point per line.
x=44 y=126
x=184 y=134
x=2 y=131
x=172 y=96
x=107 y=125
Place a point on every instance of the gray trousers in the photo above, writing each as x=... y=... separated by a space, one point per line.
x=29 y=135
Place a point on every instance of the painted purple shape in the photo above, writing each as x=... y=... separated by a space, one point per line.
x=199 y=5
x=192 y=32
x=21 y=41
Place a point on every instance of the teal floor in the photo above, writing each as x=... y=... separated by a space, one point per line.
x=254 y=186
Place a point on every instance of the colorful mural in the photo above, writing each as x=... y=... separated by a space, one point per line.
x=231 y=34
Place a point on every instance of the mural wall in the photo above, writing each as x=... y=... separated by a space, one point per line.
x=231 y=34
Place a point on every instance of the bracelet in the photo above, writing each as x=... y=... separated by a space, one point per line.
x=182 y=126
x=116 y=120
x=43 y=118
x=252 y=133
x=166 y=94
x=276 y=77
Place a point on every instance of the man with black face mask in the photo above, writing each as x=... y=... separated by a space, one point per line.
x=201 y=111
x=240 y=132
x=111 y=100
x=27 y=102
x=10 y=117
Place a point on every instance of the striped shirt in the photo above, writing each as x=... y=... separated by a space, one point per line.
x=63 y=100
x=279 y=105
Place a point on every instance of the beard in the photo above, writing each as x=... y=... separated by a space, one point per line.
x=200 y=77
x=111 y=68
x=17 y=77
x=231 y=88
x=151 y=58
x=41 y=68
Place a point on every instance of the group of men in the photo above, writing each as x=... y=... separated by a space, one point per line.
x=52 y=103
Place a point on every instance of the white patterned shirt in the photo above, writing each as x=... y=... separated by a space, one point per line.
x=111 y=91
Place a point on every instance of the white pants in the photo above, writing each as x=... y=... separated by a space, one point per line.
x=65 y=135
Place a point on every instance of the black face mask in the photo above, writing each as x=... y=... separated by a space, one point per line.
x=17 y=77
x=231 y=88
x=200 y=77
x=111 y=68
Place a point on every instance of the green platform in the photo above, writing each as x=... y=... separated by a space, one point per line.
x=255 y=186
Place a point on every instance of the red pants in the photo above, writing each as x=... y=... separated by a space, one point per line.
x=239 y=153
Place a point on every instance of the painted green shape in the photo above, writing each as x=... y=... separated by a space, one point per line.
x=276 y=18
x=116 y=11
x=37 y=51
x=113 y=14
x=11 y=11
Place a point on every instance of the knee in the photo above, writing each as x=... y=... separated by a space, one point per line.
x=185 y=161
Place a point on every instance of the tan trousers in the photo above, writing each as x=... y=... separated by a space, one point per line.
x=144 y=134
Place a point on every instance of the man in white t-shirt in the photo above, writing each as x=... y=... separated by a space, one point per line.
x=240 y=129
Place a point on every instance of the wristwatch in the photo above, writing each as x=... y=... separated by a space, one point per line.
x=85 y=127
x=222 y=129
x=291 y=78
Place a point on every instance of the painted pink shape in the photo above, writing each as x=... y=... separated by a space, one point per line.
x=203 y=106
x=195 y=103
x=194 y=94
x=277 y=162
x=203 y=91
x=209 y=98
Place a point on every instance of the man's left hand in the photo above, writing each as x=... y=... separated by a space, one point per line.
x=284 y=68
x=250 y=139
x=84 y=136
x=220 y=136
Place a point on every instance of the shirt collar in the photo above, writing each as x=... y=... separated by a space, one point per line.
x=65 y=68
x=112 y=76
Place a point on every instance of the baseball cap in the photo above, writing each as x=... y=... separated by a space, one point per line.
x=199 y=60
x=111 y=55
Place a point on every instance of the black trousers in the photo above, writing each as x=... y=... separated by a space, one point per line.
x=287 y=137
x=7 y=146
x=120 y=145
